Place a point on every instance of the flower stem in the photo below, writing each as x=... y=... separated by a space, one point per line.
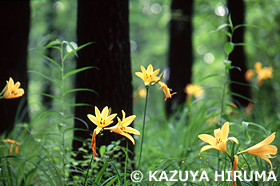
x=88 y=171
x=126 y=161
x=143 y=128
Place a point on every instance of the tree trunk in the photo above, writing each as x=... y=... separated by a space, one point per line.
x=15 y=20
x=180 y=51
x=106 y=25
x=238 y=58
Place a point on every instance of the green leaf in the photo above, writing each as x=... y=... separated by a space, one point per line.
x=102 y=150
x=115 y=168
x=226 y=33
x=75 y=50
x=244 y=84
x=51 y=44
x=230 y=22
x=244 y=25
x=210 y=76
x=220 y=27
x=74 y=129
x=71 y=46
x=238 y=95
x=79 y=89
x=101 y=172
x=48 y=113
x=256 y=125
x=77 y=71
x=51 y=60
x=5 y=177
x=229 y=46
x=246 y=44
x=228 y=65
x=79 y=105
x=50 y=96
x=44 y=76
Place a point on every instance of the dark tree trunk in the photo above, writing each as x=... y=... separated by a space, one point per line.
x=106 y=24
x=180 y=51
x=15 y=19
x=238 y=58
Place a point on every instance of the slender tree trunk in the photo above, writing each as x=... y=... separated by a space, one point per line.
x=180 y=51
x=15 y=19
x=238 y=58
x=106 y=24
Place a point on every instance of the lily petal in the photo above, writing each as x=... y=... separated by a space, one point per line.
x=127 y=121
x=97 y=112
x=208 y=139
x=207 y=147
x=131 y=130
x=224 y=131
x=233 y=139
x=93 y=119
x=268 y=161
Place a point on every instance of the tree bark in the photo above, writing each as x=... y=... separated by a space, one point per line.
x=15 y=20
x=180 y=52
x=238 y=58
x=106 y=25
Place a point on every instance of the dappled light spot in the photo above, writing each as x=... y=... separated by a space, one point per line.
x=59 y=6
x=74 y=45
x=221 y=11
x=133 y=46
x=209 y=58
x=201 y=49
x=34 y=108
x=156 y=8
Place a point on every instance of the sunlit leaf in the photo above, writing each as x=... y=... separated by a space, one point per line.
x=229 y=46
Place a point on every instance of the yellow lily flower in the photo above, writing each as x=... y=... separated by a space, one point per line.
x=263 y=149
x=142 y=93
x=234 y=168
x=193 y=89
x=12 y=90
x=148 y=75
x=258 y=67
x=166 y=90
x=264 y=73
x=218 y=142
x=102 y=119
x=249 y=74
x=122 y=127
x=12 y=142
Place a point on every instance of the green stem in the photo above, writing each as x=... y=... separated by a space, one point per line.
x=143 y=128
x=88 y=171
x=126 y=159
x=63 y=112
